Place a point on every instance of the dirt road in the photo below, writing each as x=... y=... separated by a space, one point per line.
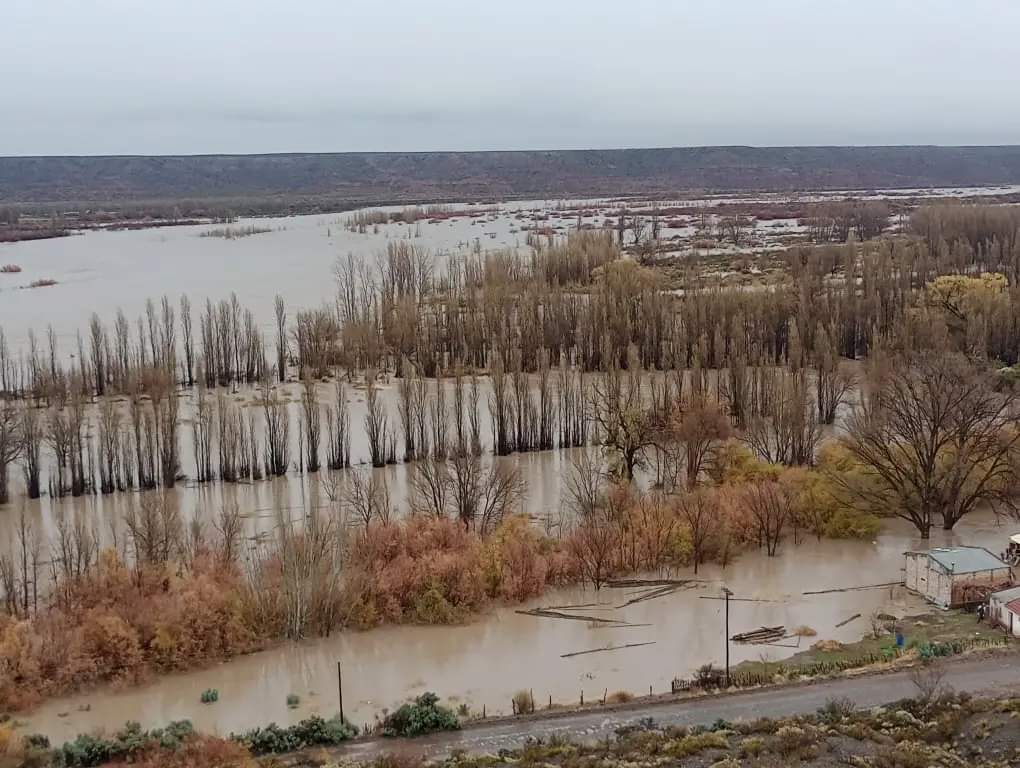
x=991 y=675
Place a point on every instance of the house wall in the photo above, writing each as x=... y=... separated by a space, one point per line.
x=992 y=578
x=940 y=586
x=1005 y=618
x=914 y=572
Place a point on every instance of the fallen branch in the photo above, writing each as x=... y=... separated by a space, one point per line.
x=607 y=648
x=762 y=635
x=853 y=589
x=548 y=614
x=660 y=592
x=847 y=621
x=623 y=583
x=739 y=599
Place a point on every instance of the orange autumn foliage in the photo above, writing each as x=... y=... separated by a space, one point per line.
x=117 y=625
x=433 y=570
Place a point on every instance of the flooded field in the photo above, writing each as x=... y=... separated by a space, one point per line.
x=480 y=664
x=484 y=662
x=99 y=271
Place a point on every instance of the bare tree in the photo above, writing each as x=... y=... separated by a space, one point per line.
x=281 y=339
x=594 y=543
x=785 y=429
x=189 y=344
x=482 y=497
x=10 y=445
x=367 y=496
x=229 y=526
x=770 y=506
x=277 y=425
x=32 y=435
x=699 y=428
x=430 y=486
x=312 y=423
x=586 y=485
x=375 y=420
x=202 y=435
x=934 y=439
x=834 y=382
x=154 y=530
x=626 y=428
x=701 y=511
x=338 y=430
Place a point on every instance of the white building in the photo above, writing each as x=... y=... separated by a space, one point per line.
x=954 y=576
x=1004 y=610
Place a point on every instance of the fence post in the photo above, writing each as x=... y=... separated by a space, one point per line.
x=340 y=690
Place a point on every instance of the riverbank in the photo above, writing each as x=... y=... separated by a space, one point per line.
x=951 y=730
x=383 y=667
x=831 y=700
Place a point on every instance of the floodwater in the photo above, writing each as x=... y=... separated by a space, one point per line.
x=480 y=664
x=99 y=271
x=484 y=662
x=293 y=497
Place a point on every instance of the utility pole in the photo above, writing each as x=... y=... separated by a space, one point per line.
x=727 y=593
x=340 y=690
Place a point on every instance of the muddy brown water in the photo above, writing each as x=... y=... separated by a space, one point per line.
x=99 y=271
x=485 y=661
x=479 y=664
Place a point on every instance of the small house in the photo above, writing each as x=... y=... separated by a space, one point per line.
x=1004 y=610
x=951 y=577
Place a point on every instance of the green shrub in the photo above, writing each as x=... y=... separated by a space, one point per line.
x=313 y=731
x=36 y=741
x=752 y=746
x=424 y=715
x=696 y=743
x=87 y=750
x=210 y=695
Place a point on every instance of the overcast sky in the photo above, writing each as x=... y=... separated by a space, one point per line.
x=196 y=76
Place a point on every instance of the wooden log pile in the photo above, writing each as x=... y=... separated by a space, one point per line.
x=760 y=635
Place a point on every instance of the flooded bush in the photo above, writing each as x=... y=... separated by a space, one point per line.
x=235 y=233
x=313 y=731
x=89 y=750
x=523 y=703
x=423 y=715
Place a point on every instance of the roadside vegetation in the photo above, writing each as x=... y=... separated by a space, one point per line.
x=935 y=728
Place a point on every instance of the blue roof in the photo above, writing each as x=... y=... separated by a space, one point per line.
x=1007 y=595
x=966 y=559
